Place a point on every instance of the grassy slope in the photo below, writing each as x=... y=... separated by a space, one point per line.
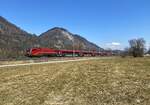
x=96 y=82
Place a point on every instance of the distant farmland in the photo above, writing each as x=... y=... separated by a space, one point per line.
x=115 y=81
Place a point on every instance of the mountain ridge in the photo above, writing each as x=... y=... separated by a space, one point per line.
x=70 y=38
x=14 y=40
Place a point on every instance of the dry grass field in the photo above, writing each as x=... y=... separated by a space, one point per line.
x=115 y=81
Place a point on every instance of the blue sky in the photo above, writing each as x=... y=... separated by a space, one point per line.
x=108 y=23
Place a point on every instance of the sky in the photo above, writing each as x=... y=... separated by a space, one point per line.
x=108 y=23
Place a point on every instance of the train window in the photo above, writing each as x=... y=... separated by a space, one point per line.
x=34 y=49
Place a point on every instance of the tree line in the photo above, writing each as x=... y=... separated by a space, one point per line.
x=136 y=48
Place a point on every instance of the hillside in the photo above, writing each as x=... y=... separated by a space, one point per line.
x=60 y=38
x=14 y=41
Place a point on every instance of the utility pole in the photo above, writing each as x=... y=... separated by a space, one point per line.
x=99 y=51
x=73 y=47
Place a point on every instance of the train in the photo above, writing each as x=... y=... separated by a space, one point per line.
x=39 y=52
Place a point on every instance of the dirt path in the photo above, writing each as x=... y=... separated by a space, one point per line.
x=49 y=62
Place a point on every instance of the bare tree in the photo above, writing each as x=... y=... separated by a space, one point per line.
x=137 y=47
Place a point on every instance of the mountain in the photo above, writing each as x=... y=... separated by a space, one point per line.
x=60 y=38
x=14 y=41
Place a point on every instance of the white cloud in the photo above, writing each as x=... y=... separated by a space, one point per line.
x=114 y=45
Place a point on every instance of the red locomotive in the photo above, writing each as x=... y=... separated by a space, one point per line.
x=62 y=53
